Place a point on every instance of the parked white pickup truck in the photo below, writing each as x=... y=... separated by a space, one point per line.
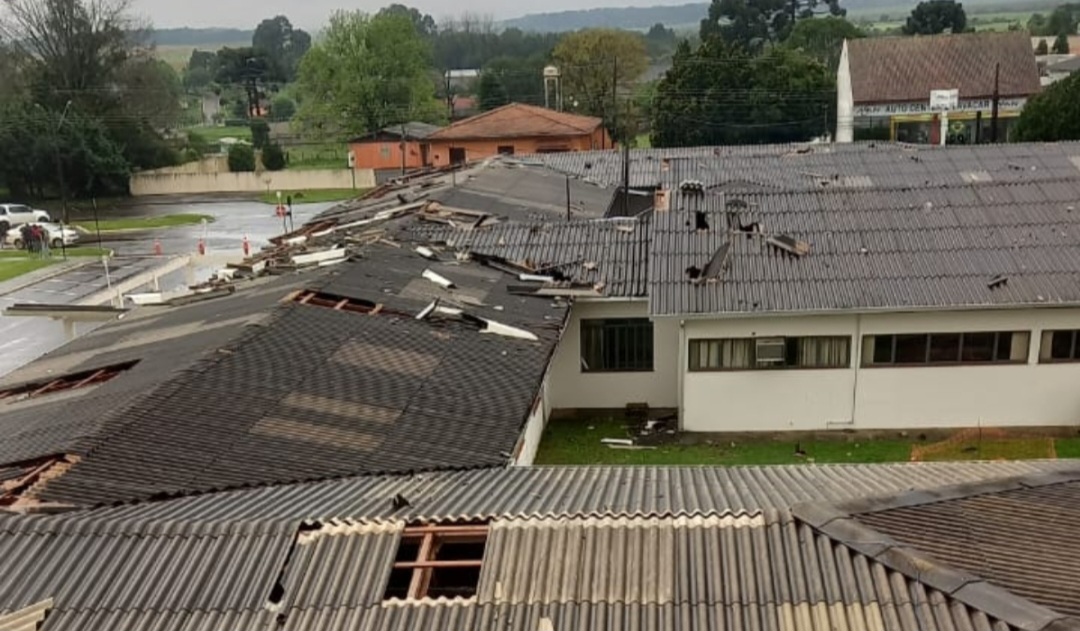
x=18 y=214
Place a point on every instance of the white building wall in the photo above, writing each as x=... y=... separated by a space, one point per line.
x=573 y=389
x=885 y=397
x=529 y=443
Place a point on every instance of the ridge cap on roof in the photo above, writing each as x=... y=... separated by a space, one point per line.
x=533 y=109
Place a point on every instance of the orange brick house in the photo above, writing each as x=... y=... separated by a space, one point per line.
x=382 y=149
x=515 y=129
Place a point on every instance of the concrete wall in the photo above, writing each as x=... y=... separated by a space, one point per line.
x=529 y=443
x=152 y=183
x=573 y=389
x=885 y=397
x=210 y=164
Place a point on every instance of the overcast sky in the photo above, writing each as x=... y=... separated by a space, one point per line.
x=311 y=14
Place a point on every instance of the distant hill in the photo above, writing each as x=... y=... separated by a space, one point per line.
x=612 y=17
x=200 y=36
x=690 y=15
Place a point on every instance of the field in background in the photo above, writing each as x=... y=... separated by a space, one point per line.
x=178 y=56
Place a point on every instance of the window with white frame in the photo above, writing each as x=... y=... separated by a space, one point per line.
x=946 y=349
x=753 y=353
x=1059 y=346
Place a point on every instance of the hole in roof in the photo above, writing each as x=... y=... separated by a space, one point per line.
x=438 y=561
x=334 y=301
x=81 y=379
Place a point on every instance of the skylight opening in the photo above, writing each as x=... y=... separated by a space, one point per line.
x=438 y=561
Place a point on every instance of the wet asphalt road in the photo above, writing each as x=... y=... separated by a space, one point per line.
x=23 y=339
x=233 y=220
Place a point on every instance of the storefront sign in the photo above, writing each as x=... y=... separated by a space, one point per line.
x=965 y=105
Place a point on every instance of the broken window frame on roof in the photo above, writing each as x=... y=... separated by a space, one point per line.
x=70 y=381
x=337 y=303
x=888 y=350
x=796 y=352
x=617 y=345
x=423 y=569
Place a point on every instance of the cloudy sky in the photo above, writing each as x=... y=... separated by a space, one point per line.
x=310 y=14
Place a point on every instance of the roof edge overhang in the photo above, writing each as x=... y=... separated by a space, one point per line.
x=732 y=315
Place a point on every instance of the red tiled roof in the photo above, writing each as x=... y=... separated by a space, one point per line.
x=906 y=69
x=518 y=120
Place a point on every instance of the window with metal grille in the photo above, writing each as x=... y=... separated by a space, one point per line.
x=752 y=353
x=71 y=381
x=1059 y=346
x=435 y=561
x=617 y=345
x=946 y=349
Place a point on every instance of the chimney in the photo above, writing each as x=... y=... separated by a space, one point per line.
x=845 y=100
x=660 y=199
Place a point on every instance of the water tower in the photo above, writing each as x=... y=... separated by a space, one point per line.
x=552 y=87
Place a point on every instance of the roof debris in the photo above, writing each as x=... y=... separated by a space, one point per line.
x=791 y=245
x=439 y=280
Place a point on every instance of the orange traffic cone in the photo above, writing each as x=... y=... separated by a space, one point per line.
x=202 y=247
x=247 y=246
x=157 y=247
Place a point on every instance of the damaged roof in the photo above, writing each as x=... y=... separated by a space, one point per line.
x=601 y=554
x=861 y=165
x=961 y=246
x=348 y=383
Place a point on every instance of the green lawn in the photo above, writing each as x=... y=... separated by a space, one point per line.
x=142 y=223
x=573 y=442
x=642 y=141
x=72 y=250
x=313 y=196
x=12 y=267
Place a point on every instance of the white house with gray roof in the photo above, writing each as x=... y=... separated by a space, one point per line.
x=845 y=300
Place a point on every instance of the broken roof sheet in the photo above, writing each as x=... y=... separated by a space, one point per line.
x=762 y=168
x=163 y=340
x=316 y=392
x=888 y=249
x=729 y=563
x=603 y=254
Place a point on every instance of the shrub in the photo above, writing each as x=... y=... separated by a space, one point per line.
x=241 y=158
x=282 y=109
x=260 y=134
x=273 y=158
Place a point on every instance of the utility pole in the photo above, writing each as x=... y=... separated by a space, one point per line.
x=568 y=198
x=449 y=99
x=626 y=179
x=60 y=172
x=994 y=105
x=614 y=99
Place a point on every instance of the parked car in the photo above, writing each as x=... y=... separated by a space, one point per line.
x=18 y=214
x=54 y=230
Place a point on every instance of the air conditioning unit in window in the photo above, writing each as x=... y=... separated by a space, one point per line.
x=769 y=351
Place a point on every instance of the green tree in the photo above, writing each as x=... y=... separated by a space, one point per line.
x=1053 y=114
x=490 y=92
x=521 y=77
x=596 y=66
x=282 y=108
x=273 y=158
x=92 y=59
x=282 y=44
x=660 y=41
x=241 y=158
x=780 y=96
x=1061 y=44
x=752 y=24
x=422 y=22
x=1041 y=48
x=365 y=73
x=260 y=134
x=823 y=38
x=931 y=17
